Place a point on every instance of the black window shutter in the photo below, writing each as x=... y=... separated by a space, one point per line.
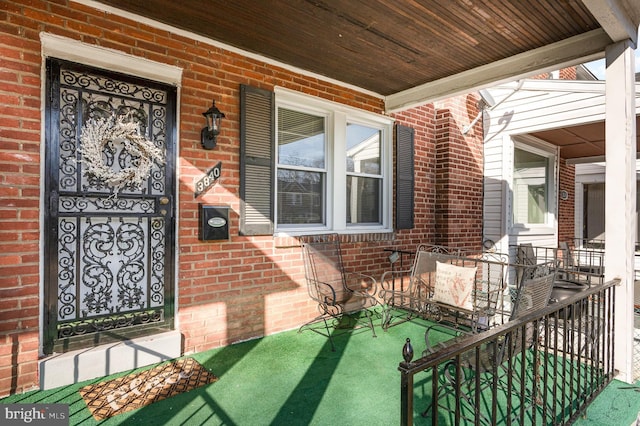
x=257 y=135
x=404 y=177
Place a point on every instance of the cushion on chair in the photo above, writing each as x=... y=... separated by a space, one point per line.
x=454 y=285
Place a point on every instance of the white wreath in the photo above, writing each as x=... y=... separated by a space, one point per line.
x=96 y=134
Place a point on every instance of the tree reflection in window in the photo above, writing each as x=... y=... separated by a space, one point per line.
x=301 y=167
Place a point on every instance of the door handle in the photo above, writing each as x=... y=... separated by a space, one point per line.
x=164 y=200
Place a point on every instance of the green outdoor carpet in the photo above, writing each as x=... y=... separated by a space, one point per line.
x=295 y=379
x=284 y=379
x=617 y=405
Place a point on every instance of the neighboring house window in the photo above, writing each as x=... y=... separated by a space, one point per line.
x=532 y=185
x=333 y=166
x=594 y=212
x=593 y=199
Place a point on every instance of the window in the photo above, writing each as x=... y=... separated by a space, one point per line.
x=308 y=165
x=333 y=166
x=593 y=213
x=533 y=185
x=301 y=168
x=364 y=178
x=593 y=199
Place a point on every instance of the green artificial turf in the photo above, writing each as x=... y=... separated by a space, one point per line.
x=284 y=379
x=617 y=405
x=295 y=379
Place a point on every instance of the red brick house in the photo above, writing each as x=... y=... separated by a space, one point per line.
x=94 y=283
x=213 y=293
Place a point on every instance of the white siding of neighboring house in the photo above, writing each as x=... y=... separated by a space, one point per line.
x=494 y=191
x=535 y=105
x=521 y=108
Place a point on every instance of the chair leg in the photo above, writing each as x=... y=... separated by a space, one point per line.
x=386 y=318
x=326 y=326
x=329 y=336
x=353 y=323
x=370 y=319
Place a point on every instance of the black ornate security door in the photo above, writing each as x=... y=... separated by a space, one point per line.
x=109 y=248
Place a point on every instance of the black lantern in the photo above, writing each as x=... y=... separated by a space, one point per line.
x=209 y=134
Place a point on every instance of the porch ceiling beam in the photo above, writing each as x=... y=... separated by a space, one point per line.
x=574 y=50
x=613 y=19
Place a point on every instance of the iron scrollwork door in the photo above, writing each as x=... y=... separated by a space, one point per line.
x=109 y=253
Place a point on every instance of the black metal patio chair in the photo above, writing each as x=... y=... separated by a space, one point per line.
x=341 y=295
x=583 y=265
x=578 y=269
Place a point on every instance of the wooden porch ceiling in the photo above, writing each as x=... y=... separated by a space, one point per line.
x=392 y=46
x=584 y=142
x=410 y=52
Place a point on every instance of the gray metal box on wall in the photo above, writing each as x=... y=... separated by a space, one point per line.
x=213 y=222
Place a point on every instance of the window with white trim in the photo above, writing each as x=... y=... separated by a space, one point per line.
x=333 y=167
x=533 y=186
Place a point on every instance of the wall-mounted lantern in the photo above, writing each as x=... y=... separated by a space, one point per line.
x=209 y=134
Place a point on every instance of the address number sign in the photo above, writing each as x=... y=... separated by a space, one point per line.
x=207 y=181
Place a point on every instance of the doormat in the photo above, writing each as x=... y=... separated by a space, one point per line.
x=136 y=390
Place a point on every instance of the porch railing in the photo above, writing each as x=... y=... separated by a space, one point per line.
x=550 y=380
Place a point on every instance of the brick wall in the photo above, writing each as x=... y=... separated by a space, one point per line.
x=568 y=73
x=459 y=174
x=422 y=120
x=19 y=202
x=227 y=291
x=566 y=208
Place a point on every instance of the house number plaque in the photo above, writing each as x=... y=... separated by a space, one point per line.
x=207 y=181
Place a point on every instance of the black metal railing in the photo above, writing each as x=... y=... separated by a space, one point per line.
x=544 y=368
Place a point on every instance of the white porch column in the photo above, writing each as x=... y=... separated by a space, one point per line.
x=620 y=195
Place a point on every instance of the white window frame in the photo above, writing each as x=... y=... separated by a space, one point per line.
x=336 y=118
x=535 y=146
x=590 y=173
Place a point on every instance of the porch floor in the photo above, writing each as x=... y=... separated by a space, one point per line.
x=295 y=379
